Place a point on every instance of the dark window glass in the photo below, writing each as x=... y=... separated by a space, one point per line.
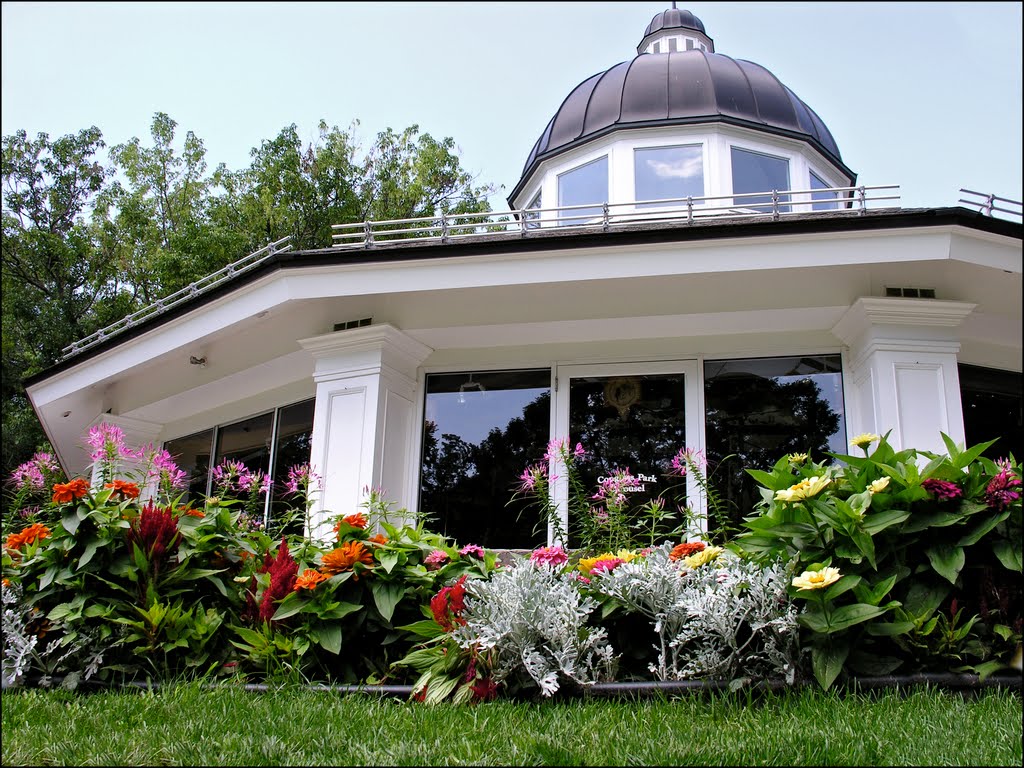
x=817 y=183
x=192 y=454
x=292 y=446
x=759 y=410
x=754 y=172
x=248 y=442
x=668 y=172
x=633 y=423
x=481 y=430
x=581 y=186
x=992 y=408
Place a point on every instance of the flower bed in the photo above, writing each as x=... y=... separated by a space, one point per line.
x=882 y=565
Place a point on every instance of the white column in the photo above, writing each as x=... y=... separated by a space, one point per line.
x=901 y=370
x=363 y=423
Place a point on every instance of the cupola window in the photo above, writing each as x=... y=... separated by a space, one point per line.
x=663 y=173
x=818 y=183
x=756 y=172
x=581 y=186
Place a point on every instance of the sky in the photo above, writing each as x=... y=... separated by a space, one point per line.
x=926 y=96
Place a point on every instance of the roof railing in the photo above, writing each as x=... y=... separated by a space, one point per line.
x=989 y=204
x=774 y=205
x=189 y=291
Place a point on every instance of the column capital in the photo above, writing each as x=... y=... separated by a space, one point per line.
x=892 y=318
x=370 y=346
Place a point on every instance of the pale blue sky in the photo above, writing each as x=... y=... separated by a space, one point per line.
x=923 y=95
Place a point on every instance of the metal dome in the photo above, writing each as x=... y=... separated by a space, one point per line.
x=680 y=88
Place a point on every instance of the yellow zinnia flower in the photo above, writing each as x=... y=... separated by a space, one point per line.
x=796 y=459
x=804 y=489
x=816 y=579
x=703 y=557
x=864 y=440
x=879 y=485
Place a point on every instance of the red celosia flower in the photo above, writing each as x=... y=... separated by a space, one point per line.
x=448 y=605
x=124 y=489
x=686 y=549
x=155 y=532
x=484 y=689
x=65 y=492
x=282 y=570
x=30 y=535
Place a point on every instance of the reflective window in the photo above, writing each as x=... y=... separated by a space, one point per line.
x=481 y=430
x=192 y=455
x=292 y=446
x=817 y=183
x=532 y=219
x=668 y=172
x=754 y=172
x=581 y=186
x=759 y=410
x=992 y=404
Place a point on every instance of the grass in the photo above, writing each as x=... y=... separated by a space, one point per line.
x=190 y=725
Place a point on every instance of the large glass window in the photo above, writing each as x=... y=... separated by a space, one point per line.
x=663 y=173
x=532 y=214
x=759 y=410
x=992 y=403
x=192 y=455
x=582 y=186
x=481 y=430
x=272 y=443
x=755 y=172
x=818 y=183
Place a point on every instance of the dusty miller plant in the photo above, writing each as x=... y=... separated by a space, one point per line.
x=536 y=621
x=23 y=653
x=729 y=619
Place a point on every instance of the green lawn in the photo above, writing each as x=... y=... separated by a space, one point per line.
x=189 y=725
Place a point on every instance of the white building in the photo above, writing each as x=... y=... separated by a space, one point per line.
x=694 y=265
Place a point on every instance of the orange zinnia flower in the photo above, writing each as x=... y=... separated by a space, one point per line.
x=686 y=549
x=308 y=579
x=379 y=538
x=345 y=557
x=124 y=489
x=192 y=512
x=76 y=489
x=30 y=535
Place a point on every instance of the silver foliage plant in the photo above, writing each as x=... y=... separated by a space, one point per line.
x=22 y=652
x=729 y=619
x=534 y=620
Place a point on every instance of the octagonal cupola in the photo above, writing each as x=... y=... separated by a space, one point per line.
x=675 y=30
x=679 y=120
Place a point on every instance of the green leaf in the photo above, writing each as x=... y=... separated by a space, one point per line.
x=1009 y=554
x=889 y=628
x=849 y=615
x=70 y=521
x=289 y=606
x=340 y=610
x=982 y=528
x=947 y=560
x=920 y=522
x=427 y=628
x=879 y=521
x=87 y=553
x=387 y=595
x=329 y=637
x=844 y=584
x=827 y=662
x=388 y=560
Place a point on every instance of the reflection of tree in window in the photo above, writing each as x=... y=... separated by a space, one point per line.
x=758 y=411
x=467 y=479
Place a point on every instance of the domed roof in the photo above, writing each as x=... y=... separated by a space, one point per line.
x=679 y=88
x=674 y=18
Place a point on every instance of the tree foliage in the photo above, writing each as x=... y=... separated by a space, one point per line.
x=90 y=236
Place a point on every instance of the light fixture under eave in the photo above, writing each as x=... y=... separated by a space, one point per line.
x=469 y=386
x=200 y=361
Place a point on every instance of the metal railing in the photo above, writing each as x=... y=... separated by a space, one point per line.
x=189 y=291
x=773 y=205
x=989 y=204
